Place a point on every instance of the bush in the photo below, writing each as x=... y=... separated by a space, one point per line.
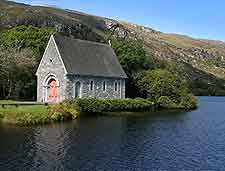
x=166 y=102
x=188 y=102
x=113 y=105
x=1 y=116
x=57 y=116
x=31 y=119
x=64 y=111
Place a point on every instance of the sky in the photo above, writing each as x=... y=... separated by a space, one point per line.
x=197 y=18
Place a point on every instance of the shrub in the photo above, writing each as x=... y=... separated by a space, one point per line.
x=1 y=116
x=113 y=105
x=32 y=119
x=57 y=116
x=63 y=111
x=188 y=102
x=166 y=102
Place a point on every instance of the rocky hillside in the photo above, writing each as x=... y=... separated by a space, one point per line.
x=201 y=62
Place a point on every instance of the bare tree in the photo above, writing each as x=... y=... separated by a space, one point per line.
x=17 y=69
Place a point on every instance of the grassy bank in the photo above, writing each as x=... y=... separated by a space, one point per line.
x=25 y=113
x=91 y=105
x=33 y=114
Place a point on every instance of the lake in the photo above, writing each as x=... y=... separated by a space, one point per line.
x=160 y=141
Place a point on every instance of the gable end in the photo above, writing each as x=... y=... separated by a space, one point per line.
x=51 y=40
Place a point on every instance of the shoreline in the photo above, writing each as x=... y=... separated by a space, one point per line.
x=33 y=113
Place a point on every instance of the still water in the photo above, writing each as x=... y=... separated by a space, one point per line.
x=162 y=141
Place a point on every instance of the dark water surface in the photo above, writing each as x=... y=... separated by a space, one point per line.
x=163 y=141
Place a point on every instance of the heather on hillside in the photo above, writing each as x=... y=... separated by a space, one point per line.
x=199 y=62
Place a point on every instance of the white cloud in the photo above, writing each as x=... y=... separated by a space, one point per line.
x=48 y=3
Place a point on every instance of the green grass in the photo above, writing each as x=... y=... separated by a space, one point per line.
x=31 y=113
x=33 y=109
x=8 y=101
x=16 y=102
x=24 y=115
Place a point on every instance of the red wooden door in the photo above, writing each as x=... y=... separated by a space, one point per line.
x=52 y=96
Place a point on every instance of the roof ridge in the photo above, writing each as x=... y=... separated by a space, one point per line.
x=83 y=40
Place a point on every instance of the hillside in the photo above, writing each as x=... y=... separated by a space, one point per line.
x=201 y=62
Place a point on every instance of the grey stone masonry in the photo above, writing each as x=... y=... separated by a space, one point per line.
x=52 y=67
x=114 y=88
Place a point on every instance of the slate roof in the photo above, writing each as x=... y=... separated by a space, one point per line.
x=87 y=58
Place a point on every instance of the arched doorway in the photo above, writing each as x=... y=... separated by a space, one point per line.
x=77 y=90
x=52 y=91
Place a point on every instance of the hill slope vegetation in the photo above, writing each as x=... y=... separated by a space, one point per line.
x=25 y=28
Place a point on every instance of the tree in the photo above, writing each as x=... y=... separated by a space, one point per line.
x=17 y=69
x=132 y=57
x=161 y=85
x=21 y=49
x=27 y=37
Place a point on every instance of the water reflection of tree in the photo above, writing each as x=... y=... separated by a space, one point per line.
x=96 y=143
x=51 y=144
x=14 y=147
x=146 y=141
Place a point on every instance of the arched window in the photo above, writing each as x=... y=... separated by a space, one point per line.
x=119 y=85
x=91 y=85
x=115 y=86
x=77 y=90
x=104 y=86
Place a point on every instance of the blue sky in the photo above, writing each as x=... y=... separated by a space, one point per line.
x=196 y=18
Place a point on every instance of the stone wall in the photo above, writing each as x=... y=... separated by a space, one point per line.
x=51 y=66
x=97 y=91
